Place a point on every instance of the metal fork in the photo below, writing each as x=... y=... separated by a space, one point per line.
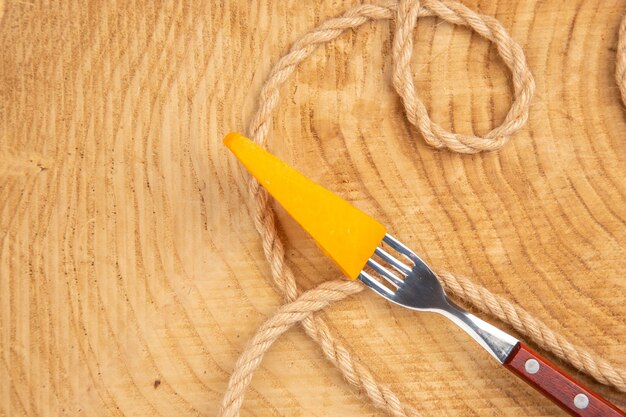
x=418 y=288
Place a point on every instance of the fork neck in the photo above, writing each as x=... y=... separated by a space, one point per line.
x=498 y=343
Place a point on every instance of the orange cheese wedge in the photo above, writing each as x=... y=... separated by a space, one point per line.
x=343 y=232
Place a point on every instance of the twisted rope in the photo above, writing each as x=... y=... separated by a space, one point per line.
x=301 y=307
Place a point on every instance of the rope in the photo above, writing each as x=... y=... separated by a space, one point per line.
x=301 y=307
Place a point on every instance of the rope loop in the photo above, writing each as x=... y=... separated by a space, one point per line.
x=407 y=14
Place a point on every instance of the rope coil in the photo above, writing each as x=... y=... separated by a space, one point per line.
x=301 y=307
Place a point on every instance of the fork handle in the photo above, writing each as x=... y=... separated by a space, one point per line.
x=555 y=384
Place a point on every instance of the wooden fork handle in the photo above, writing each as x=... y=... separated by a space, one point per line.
x=561 y=388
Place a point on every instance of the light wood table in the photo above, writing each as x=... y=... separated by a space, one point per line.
x=131 y=275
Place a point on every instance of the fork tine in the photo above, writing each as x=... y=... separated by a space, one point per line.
x=368 y=280
x=397 y=264
x=399 y=247
x=385 y=273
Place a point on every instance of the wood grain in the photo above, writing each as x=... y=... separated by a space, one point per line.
x=130 y=272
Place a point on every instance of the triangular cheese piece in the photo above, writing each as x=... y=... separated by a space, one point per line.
x=343 y=232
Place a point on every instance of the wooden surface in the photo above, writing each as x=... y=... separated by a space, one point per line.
x=131 y=275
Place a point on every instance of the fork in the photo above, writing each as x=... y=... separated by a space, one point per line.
x=417 y=287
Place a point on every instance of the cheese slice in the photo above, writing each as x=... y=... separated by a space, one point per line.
x=344 y=233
